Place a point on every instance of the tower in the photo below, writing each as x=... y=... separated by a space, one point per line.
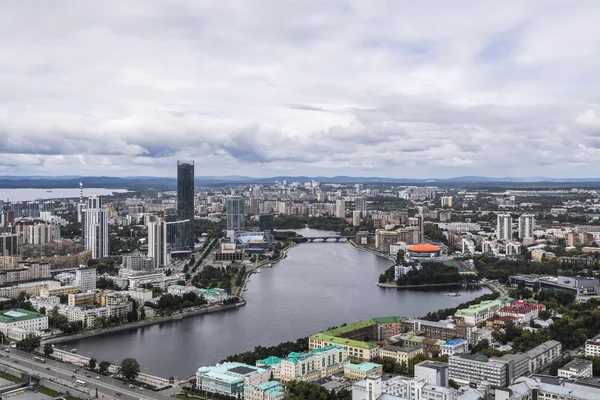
x=157 y=242
x=526 y=226
x=504 y=227
x=185 y=198
x=235 y=213
x=94 y=227
x=340 y=207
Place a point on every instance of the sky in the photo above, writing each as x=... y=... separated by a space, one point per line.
x=416 y=89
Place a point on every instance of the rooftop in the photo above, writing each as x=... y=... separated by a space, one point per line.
x=363 y=367
x=536 y=351
x=454 y=342
x=577 y=365
x=424 y=248
x=18 y=314
x=269 y=361
x=432 y=364
x=343 y=341
x=296 y=357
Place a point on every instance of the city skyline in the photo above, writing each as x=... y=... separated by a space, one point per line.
x=385 y=89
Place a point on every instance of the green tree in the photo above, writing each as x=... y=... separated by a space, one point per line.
x=30 y=343
x=130 y=368
x=48 y=349
x=92 y=363
x=142 y=313
x=103 y=366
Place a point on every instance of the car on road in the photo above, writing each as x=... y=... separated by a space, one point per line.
x=118 y=393
x=16 y=362
x=131 y=386
x=141 y=389
x=97 y=377
x=73 y=376
x=48 y=368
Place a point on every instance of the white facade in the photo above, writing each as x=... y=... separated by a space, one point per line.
x=455 y=346
x=310 y=366
x=592 y=348
x=95 y=228
x=400 y=388
x=578 y=368
x=340 y=207
x=475 y=369
x=17 y=323
x=157 y=242
x=86 y=278
x=504 y=227
x=446 y=201
x=526 y=226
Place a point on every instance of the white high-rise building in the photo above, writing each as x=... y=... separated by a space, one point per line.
x=157 y=242
x=340 y=207
x=526 y=226
x=94 y=227
x=446 y=201
x=236 y=208
x=85 y=278
x=504 y=227
x=356 y=218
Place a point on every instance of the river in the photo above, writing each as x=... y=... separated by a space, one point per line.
x=46 y=194
x=317 y=286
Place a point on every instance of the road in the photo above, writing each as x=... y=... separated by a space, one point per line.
x=62 y=373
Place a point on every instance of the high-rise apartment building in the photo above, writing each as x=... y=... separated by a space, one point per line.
x=504 y=227
x=361 y=205
x=526 y=226
x=235 y=213
x=185 y=199
x=85 y=278
x=446 y=201
x=340 y=207
x=94 y=227
x=8 y=244
x=356 y=218
x=157 y=242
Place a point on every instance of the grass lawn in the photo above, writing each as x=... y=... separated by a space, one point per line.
x=48 y=392
x=10 y=377
x=71 y=398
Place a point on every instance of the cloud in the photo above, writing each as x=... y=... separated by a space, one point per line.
x=415 y=89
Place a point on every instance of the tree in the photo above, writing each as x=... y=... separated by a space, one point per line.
x=103 y=366
x=142 y=313
x=130 y=368
x=92 y=363
x=30 y=343
x=43 y=310
x=48 y=349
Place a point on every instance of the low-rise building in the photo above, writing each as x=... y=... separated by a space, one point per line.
x=17 y=323
x=433 y=372
x=273 y=364
x=543 y=355
x=315 y=364
x=230 y=378
x=547 y=389
x=592 y=348
x=578 y=368
x=362 y=370
x=400 y=354
x=30 y=288
x=81 y=299
x=468 y=369
x=400 y=388
x=59 y=291
x=480 y=312
x=414 y=339
x=264 y=391
x=523 y=312
x=455 y=346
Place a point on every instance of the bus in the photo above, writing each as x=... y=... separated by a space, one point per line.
x=80 y=383
x=39 y=359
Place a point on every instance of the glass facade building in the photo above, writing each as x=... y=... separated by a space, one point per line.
x=185 y=199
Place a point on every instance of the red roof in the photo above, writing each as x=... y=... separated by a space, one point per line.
x=424 y=248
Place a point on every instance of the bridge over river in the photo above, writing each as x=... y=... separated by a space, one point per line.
x=332 y=238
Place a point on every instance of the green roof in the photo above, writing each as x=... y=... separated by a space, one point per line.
x=343 y=341
x=349 y=328
x=294 y=356
x=387 y=320
x=269 y=361
x=18 y=314
x=484 y=306
x=364 y=367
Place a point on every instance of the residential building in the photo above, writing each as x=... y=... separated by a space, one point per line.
x=400 y=354
x=17 y=323
x=235 y=213
x=230 y=378
x=362 y=370
x=185 y=200
x=25 y=271
x=455 y=346
x=315 y=364
x=94 y=229
x=85 y=278
x=340 y=207
x=264 y=391
x=477 y=313
x=523 y=312
x=504 y=227
x=361 y=205
x=526 y=226
x=58 y=290
x=468 y=369
x=592 y=348
x=157 y=242
x=81 y=299
x=446 y=201
x=30 y=288
x=356 y=218
x=433 y=372
x=9 y=244
x=543 y=355
x=578 y=368
x=36 y=232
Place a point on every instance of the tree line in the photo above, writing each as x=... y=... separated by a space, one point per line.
x=281 y=350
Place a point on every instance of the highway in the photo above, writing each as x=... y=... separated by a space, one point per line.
x=63 y=373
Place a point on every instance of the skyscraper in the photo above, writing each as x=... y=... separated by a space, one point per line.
x=185 y=199
x=361 y=205
x=266 y=222
x=526 y=226
x=504 y=227
x=157 y=242
x=235 y=213
x=94 y=227
x=340 y=207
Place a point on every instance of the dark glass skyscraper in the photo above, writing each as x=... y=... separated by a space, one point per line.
x=185 y=197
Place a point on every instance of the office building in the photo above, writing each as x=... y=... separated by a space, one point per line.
x=265 y=391
x=446 y=201
x=467 y=369
x=266 y=222
x=230 y=378
x=94 y=231
x=254 y=206
x=340 y=207
x=504 y=227
x=178 y=234
x=18 y=323
x=185 y=200
x=235 y=213
x=361 y=205
x=85 y=278
x=86 y=299
x=480 y=312
x=400 y=354
x=433 y=372
x=362 y=370
x=8 y=244
x=578 y=368
x=548 y=388
x=315 y=364
x=526 y=226
x=455 y=346
x=157 y=242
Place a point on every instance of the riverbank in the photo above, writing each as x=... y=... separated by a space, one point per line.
x=372 y=251
x=140 y=324
x=393 y=285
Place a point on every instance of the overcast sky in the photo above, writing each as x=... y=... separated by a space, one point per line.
x=308 y=87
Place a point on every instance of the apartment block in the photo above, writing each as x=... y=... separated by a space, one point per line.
x=578 y=368
x=81 y=299
x=543 y=355
x=469 y=369
x=315 y=364
x=401 y=354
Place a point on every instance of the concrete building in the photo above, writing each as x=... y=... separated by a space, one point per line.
x=480 y=312
x=230 y=378
x=94 y=227
x=400 y=354
x=362 y=370
x=18 y=323
x=446 y=201
x=504 y=227
x=361 y=205
x=400 y=388
x=85 y=278
x=526 y=226
x=340 y=207
x=467 y=369
x=356 y=218
x=455 y=346
x=545 y=388
x=185 y=201
x=9 y=244
x=543 y=355
x=59 y=291
x=264 y=391
x=30 y=288
x=36 y=232
x=25 y=271
x=315 y=364
x=578 y=368
x=592 y=348
x=235 y=213
x=433 y=372
x=517 y=365
x=523 y=312
x=81 y=299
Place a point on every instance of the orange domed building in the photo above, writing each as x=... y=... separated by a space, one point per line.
x=424 y=250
